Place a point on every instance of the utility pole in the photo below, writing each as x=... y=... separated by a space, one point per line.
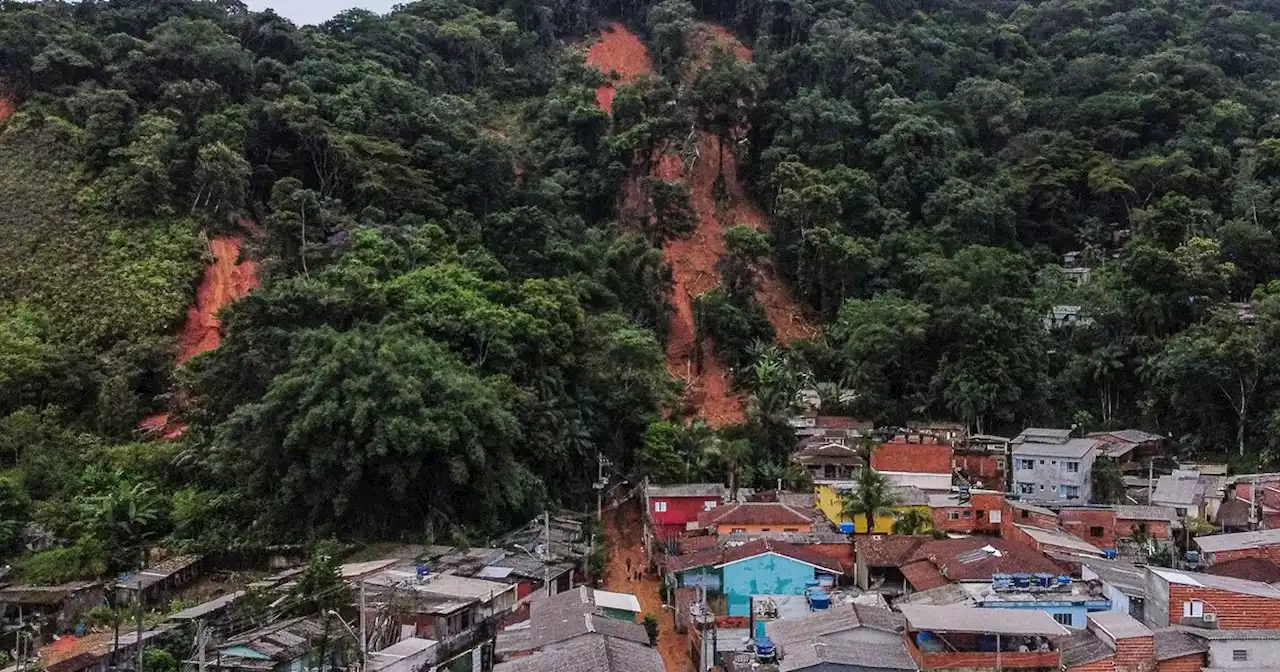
x=1253 y=504
x=546 y=551
x=138 y=642
x=201 y=641
x=364 y=646
x=1151 y=476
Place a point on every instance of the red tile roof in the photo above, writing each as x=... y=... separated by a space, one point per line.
x=1252 y=569
x=754 y=513
x=914 y=458
x=717 y=556
x=966 y=560
x=923 y=575
x=886 y=550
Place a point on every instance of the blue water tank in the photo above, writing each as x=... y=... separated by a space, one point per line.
x=812 y=583
x=1193 y=557
x=1022 y=580
x=1064 y=580
x=1044 y=579
x=1110 y=553
x=819 y=599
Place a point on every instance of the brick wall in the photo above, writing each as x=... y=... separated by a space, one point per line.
x=1235 y=611
x=985 y=468
x=1267 y=552
x=1010 y=516
x=1084 y=522
x=912 y=458
x=1158 y=529
x=841 y=551
x=1189 y=663
x=942 y=518
x=1136 y=654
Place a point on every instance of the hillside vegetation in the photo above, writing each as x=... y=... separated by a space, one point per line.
x=464 y=299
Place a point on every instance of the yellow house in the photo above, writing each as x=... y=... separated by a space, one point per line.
x=829 y=502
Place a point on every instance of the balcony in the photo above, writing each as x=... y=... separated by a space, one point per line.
x=983 y=660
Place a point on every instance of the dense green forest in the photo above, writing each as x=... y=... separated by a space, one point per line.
x=453 y=321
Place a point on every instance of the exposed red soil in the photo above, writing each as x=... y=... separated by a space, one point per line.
x=6 y=108
x=692 y=259
x=618 y=50
x=788 y=318
x=622 y=529
x=224 y=281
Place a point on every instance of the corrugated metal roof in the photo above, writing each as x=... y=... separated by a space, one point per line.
x=967 y=619
x=1238 y=541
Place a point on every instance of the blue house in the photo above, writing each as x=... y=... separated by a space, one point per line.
x=760 y=567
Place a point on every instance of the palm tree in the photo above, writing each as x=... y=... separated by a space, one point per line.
x=872 y=497
x=731 y=455
x=913 y=521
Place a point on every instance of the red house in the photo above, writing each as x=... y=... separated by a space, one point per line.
x=672 y=508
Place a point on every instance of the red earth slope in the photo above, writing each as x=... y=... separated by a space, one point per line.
x=692 y=259
x=224 y=281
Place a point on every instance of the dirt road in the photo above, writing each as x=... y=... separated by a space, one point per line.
x=622 y=528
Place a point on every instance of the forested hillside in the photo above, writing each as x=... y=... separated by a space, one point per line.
x=463 y=291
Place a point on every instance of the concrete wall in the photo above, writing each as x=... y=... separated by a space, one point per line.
x=1048 y=474
x=766 y=574
x=1263 y=654
x=827 y=500
x=1119 y=600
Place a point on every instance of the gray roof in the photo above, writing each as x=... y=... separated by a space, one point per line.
x=1084 y=647
x=831 y=621
x=1175 y=643
x=1071 y=449
x=1140 y=512
x=812 y=654
x=589 y=654
x=978 y=620
x=572 y=614
x=1131 y=435
x=1119 y=624
x=1058 y=539
x=1240 y=540
x=1173 y=490
x=1228 y=635
x=687 y=490
x=1028 y=506
x=910 y=495
x=1224 y=583
x=1125 y=577
x=1043 y=435
x=206 y=608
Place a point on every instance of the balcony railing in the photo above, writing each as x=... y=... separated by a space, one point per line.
x=984 y=660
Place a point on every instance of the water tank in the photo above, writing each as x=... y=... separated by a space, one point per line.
x=1021 y=580
x=1064 y=580
x=819 y=600
x=1044 y=580
x=812 y=583
x=1193 y=557
x=1109 y=553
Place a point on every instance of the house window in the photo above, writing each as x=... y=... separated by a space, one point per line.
x=790 y=529
x=736 y=530
x=709 y=504
x=1095 y=531
x=953 y=515
x=1054 y=463
x=1042 y=486
x=1064 y=619
x=1193 y=609
x=660 y=507
x=1026 y=464
x=995 y=515
x=1240 y=655
x=1181 y=512
x=1026 y=488
x=1073 y=467
x=1070 y=491
x=765 y=529
x=1042 y=463
x=968 y=514
x=1025 y=513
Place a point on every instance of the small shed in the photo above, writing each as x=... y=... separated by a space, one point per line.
x=61 y=605
x=158 y=581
